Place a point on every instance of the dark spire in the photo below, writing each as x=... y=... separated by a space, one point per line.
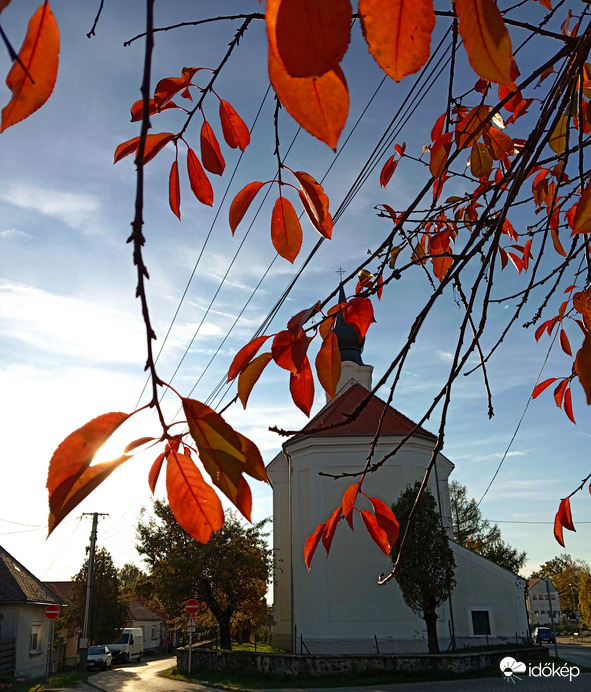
x=350 y=345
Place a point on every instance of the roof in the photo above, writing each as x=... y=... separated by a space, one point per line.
x=366 y=423
x=139 y=611
x=62 y=588
x=18 y=585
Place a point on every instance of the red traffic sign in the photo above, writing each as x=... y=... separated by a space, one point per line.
x=192 y=606
x=52 y=612
x=191 y=624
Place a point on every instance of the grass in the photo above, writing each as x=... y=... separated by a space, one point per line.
x=66 y=679
x=236 y=681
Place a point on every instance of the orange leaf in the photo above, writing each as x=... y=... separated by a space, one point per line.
x=582 y=366
x=312 y=543
x=378 y=534
x=301 y=388
x=154 y=143
x=241 y=202
x=174 y=190
x=154 y=107
x=74 y=455
x=564 y=343
x=299 y=348
x=255 y=467
x=539 y=388
x=568 y=406
x=315 y=203
x=39 y=55
x=250 y=375
x=558 y=530
x=439 y=153
x=398 y=34
x=564 y=514
x=328 y=364
x=282 y=350
x=286 y=231
x=559 y=392
x=472 y=126
x=582 y=219
x=486 y=40
x=155 y=471
x=234 y=128
x=310 y=36
x=90 y=479
x=211 y=154
x=194 y=504
x=137 y=443
x=559 y=136
x=481 y=162
x=244 y=356
x=348 y=503
x=198 y=178
x=386 y=519
x=320 y=105
x=500 y=146
x=331 y=527
x=298 y=320
x=358 y=312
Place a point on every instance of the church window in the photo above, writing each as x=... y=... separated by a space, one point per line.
x=480 y=622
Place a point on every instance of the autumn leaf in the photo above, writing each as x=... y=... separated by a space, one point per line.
x=472 y=126
x=309 y=36
x=297 y=321
x=582 y=366
x=73 y=456
x=320 y=105
x=154 y=144
x=255 y=467
x=330 y=529
x=328 y=364
x=388 y=170
x=282 y=350
x=379 y=536
x=348 y=502
x=234 y=128
x=211 y=154
x=558 y=530
x=559 y=137
x=582 y=217
x=241 y=202
x=244 y=356
x=564 y=514
x=386 y=519
x=398 y=34
x=286 y=232
x=312 y=543
x=250 y=375
x=301 y=388
x=481 y=162
x=198 y=179
x=194 y=504
x=315 y=202
x=39 y=54
x=439 y=154
x=564 y=343
x=486 y=40
x=358 y=312
x=137 y=443
x=154 y=473
x=174 y=190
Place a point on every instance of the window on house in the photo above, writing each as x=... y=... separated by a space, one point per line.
x=480 y=622
x=154 y=636
x=35 y=644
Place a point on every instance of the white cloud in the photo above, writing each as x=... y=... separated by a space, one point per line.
x=76 y=209
x=13 y=233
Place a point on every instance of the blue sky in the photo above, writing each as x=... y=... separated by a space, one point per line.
x=72 y=344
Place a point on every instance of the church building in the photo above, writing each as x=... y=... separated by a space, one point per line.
x=338 y=606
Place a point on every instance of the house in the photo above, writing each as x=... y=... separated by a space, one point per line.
x=542 y=597
x=338 y=606
x=67 y=654
x=26 y=633
x=153 y=624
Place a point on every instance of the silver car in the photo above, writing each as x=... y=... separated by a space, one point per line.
x=99 y=657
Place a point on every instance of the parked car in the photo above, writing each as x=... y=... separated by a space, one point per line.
x=99 y=657
x=543 y=634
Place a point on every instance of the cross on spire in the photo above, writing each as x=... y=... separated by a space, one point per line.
x=340 y=271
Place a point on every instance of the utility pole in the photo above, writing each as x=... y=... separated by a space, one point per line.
x=83 y=646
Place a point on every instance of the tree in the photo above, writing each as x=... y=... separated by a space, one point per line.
x=568 y=577
x=477 y=534
x=131 y=578
x=523 y=195
x=425 y=573
x=108 y=609
x=229 y=574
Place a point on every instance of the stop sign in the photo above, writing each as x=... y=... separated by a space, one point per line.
x=192 y=606
x=52 y=612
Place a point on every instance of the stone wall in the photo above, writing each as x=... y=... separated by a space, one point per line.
x=295 y=666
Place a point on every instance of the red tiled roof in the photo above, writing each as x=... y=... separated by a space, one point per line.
x=62 y=588
x=366 y=423
x=139 y=611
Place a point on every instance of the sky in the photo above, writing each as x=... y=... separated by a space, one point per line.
x=72 y=343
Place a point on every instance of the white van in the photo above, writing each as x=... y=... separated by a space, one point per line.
x=130 y=647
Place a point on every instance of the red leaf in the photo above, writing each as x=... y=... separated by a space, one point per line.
x=244 y=356
x=388 y=170
x=315 y=202
x=296 y=322
x=170 y=86
x=380 y=289
x=348 y=503
x=71 y=459
x=255 y=466
x=250 y=375
x=198 y=178
x=39 y=55
x=358 y=312
x=301 y=388
x=559 y=392
x=310 y=37
x=378 y=534
x=564 y=514
x=299 y=348
x=582 y=366
x=398 y=34
x=486 y=40
x=234 y=128
x=564 y=343
x=286 y=231
x=539 y=388
x=331 y=527
x=137 y=110
x=282 y=350
x=582 y=218
x=211 y=154
x=193 y=502
x=312 y=543
x=328 y=364
x=174 y=190
x=319 y=105
x=154 y=144
x=155 y=471
x=568 y=406
x=439 y=154
x=241 y=202
x=137 y=443
x=558 y=531
x=386 y=519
